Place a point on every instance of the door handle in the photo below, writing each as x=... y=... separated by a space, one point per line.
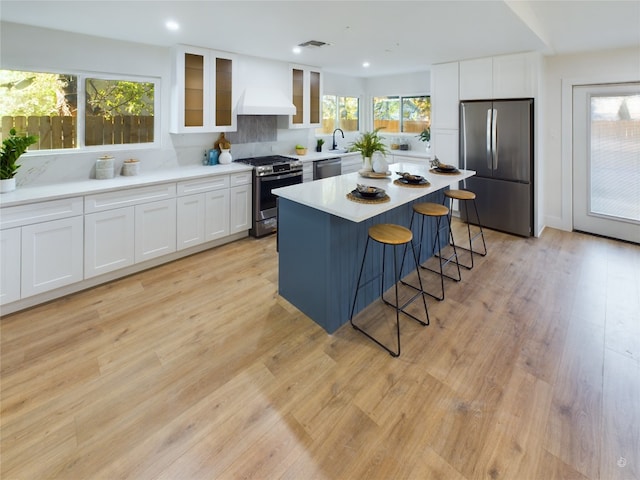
x=489 y=137
x=494 y=139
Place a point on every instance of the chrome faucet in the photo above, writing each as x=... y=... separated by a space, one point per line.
x=335 y=145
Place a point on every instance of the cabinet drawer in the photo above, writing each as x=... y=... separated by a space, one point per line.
x=127 y=197
x=40 y=212
x=241 y=178
x=203 y=185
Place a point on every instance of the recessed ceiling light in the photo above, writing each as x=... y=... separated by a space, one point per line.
x=366 y=64
x=172 y=25
x=297 y=50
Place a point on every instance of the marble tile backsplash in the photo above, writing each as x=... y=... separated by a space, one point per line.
x=256 y=136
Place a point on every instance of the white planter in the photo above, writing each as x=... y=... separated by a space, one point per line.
x=366 y=164
x=8 y=185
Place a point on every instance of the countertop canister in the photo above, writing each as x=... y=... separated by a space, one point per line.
x=104 y=167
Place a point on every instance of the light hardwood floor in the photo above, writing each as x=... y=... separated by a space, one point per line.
x=530 y=369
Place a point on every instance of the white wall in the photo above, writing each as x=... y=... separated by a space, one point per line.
x=24 y=47
x=561 y=73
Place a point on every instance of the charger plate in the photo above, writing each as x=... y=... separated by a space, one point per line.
x=358 y=199
x=423 y=183
x=443 y=172
x=371 y=174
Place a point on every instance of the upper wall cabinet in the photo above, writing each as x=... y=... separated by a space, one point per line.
x=444 y=96
x=506 y=76
x=203 y=91
x=306 y=95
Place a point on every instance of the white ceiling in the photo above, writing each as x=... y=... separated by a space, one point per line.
x=394 y=36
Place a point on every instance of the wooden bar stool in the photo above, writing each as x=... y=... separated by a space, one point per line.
x=466 y=196
x=394 y=235
x=437 y=211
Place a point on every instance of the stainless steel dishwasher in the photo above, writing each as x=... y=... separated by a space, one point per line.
x=329 y=167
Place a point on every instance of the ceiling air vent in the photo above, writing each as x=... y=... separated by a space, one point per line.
x=313 y=43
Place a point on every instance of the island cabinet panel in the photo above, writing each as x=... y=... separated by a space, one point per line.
x=320 y=256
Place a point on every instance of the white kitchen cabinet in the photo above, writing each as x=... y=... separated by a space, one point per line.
x=306 y=95
x=203 y=93
x=222 y=208
x=155 y=229
x=51 y=255
x=202 y=217
x=445 y=146
x=351 y=164
x=128 y=226
x=504 y=76
x=444 y=96
x=476 y=79
x=41 y=247
x=10 y=253
x=190 y=218
x=108 y=241
x=307 y=172
x=217 y=214
x=240 y=208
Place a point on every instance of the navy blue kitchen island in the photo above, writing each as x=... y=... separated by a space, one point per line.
x=322 y=235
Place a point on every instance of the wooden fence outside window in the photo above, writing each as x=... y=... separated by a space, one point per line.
x=58 y=132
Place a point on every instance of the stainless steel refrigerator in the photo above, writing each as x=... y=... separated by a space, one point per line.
x=496 y=140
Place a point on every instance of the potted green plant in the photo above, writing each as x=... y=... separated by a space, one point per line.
x=425 y=136
x=12 y=148
x=367 y=144
x=319 y=144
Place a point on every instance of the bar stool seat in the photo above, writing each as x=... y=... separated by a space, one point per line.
x=465 y=196
x=437 y=211
x=394 y=236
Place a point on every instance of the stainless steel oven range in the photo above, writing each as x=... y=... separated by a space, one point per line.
x=270 y=172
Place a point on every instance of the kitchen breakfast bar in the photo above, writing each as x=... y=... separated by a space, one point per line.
x=322 y=236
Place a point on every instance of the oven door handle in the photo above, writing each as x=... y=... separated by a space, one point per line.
x=273 y=178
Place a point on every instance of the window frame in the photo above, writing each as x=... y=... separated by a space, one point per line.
x=337 y=96
x=401 y=120
x=81 y=77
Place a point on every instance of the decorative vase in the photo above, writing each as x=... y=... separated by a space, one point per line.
x=379 y=164
x=8 y=185
x=428 y=148
x=366 y=164
x=225 y=157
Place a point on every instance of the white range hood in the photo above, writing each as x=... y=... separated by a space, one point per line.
x=265 y=101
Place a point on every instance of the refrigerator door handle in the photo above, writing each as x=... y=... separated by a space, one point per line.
x=464 y=137
x=494 y=137
x=489 y=136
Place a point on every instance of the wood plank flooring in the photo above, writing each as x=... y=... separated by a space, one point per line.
x=530 y=369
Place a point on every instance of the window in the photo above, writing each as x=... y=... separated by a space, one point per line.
x=118 y=112
x=73 y=111
x=340 y=112
x=396 y=114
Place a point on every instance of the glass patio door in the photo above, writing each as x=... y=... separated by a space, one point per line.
x=606 y=160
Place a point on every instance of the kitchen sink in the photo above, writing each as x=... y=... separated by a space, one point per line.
x=339 y=150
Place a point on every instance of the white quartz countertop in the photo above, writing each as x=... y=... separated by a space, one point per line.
x=23 y=195
x=330 y=194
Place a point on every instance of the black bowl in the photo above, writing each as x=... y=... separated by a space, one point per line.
x=367 y=191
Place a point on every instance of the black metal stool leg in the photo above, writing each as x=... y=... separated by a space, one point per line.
x=398 y=308
x=470 y=238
